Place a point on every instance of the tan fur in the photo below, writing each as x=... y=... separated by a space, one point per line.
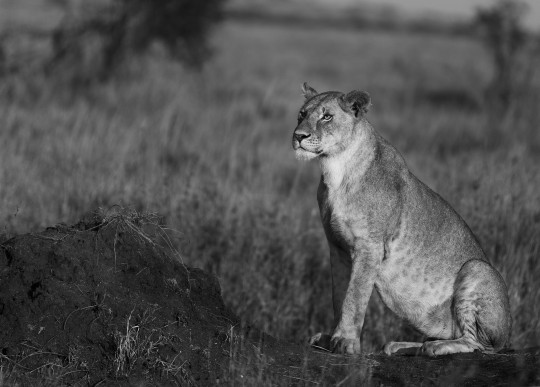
x=387 y=230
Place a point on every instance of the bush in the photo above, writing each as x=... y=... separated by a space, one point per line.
x=107 y=34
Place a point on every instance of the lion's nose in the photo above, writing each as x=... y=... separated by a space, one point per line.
x=299 y=136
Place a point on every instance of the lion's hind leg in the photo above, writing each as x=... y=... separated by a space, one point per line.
x=481 y=311
x=402 y=348
x=445 y=347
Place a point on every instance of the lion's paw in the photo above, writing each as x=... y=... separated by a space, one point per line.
x=344 y=345
x=321 y=341
x=435 y=348
x=391 y=347
x=402 y=348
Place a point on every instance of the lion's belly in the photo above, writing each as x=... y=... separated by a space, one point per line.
x=421 y=297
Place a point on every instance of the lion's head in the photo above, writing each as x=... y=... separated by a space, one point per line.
x=327 y=122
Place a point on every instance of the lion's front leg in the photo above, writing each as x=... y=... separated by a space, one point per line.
x=365 y=262
x=340 y=263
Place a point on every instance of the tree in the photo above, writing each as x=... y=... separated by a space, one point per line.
x=129 y=27
x=501 y=28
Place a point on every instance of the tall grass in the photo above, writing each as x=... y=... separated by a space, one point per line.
x=211 y=152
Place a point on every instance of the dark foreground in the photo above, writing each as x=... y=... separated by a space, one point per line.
x=108 y=302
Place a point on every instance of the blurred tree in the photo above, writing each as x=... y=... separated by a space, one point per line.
x=3 y=56
x=503 y=33
x=118 y=29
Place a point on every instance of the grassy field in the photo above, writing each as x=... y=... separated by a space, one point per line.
x=211 y=152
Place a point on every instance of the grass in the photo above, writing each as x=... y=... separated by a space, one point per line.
x=140 y=344
x=211 y=152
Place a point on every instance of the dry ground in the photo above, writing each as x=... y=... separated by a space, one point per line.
x=211 y=152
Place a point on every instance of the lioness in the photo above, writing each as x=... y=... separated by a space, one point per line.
x=387 y=229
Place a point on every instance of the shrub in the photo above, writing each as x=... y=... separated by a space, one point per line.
x=106 y=34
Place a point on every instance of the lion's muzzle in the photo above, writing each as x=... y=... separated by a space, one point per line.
x=298 y=137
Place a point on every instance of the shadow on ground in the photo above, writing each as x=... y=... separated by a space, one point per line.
x=108 y=302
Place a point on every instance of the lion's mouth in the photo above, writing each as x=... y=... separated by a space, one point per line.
x=306 y=154
x=304 y=149
x=298 y=146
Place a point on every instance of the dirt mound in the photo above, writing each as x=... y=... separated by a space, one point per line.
x=102 y=301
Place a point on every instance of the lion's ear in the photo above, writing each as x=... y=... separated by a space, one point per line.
x=308 y=91
x=358 y=102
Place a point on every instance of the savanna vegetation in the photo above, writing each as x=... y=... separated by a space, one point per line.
x=210 y=151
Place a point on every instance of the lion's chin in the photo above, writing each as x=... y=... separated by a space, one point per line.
x=302 y=154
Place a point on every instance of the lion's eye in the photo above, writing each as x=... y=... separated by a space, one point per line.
x=327 y=117
x=301 y=116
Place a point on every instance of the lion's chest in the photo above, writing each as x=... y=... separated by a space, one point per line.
x=342 y=223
